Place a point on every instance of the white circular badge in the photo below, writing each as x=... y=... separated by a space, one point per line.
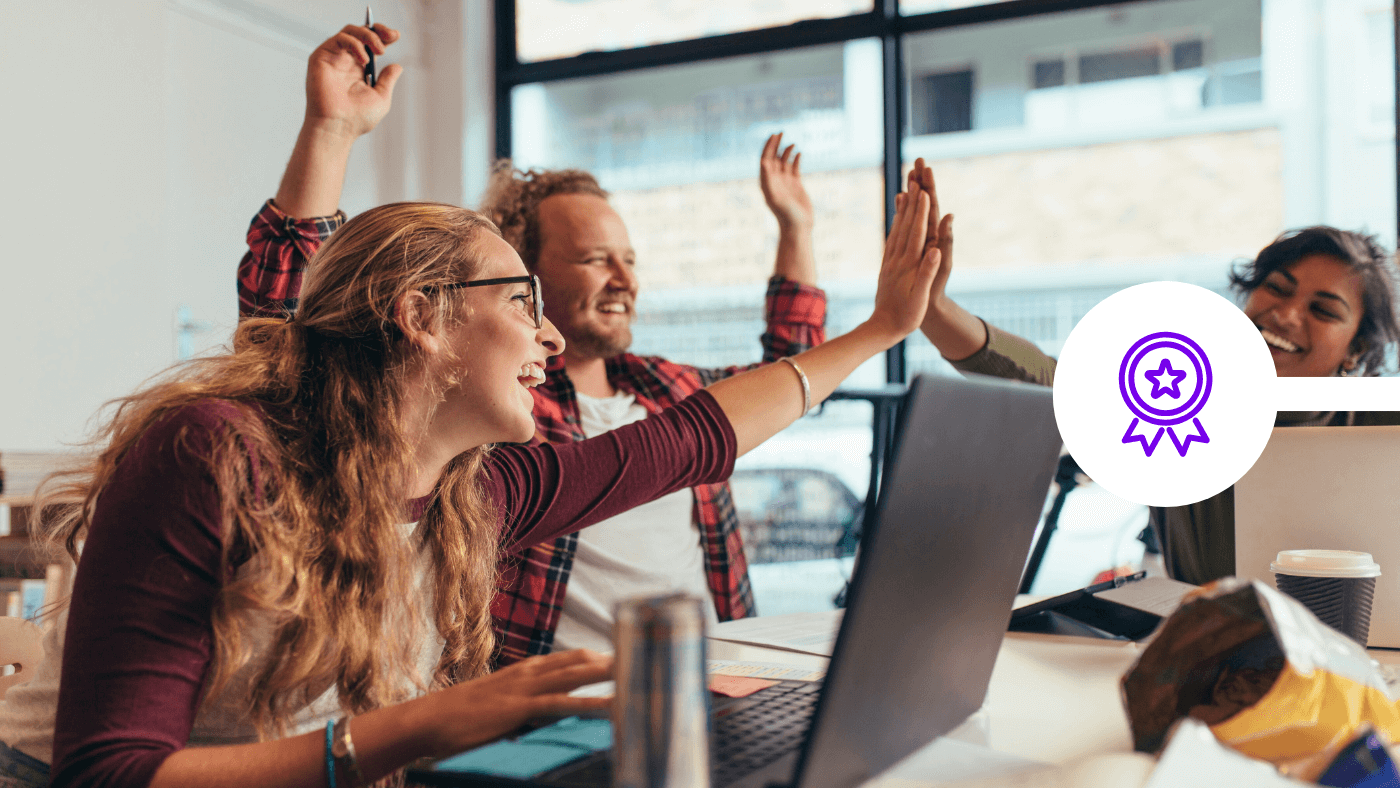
x=1163 y=393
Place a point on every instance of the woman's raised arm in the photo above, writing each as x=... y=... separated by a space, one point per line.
x=763 y=401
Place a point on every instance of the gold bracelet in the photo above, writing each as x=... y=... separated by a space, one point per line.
x=343 y=753
x=806 y=387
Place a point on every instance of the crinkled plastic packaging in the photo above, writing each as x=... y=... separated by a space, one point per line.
x=1270 y=679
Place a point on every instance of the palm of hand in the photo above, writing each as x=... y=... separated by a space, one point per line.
x=336 y=92
x=783 y=191
x=910 y=265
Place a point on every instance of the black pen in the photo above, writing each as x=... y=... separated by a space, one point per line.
x=1117 y=582
x=370 y=79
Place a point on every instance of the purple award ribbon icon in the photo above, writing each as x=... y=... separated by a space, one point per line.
x=1174 y=358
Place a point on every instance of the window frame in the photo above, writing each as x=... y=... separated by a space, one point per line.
x=884 y=22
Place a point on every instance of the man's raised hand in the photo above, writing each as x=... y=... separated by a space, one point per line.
x=780 y=177
x=337 y=98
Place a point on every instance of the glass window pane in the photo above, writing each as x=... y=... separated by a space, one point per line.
x=678 y=148
x=1149 y=141
x=800 y=500
x=562 y=28
x=912 y=7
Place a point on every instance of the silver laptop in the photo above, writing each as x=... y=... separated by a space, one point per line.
x=926 y=613
x=1326 y=488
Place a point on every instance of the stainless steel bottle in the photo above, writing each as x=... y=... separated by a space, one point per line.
x=661 y=718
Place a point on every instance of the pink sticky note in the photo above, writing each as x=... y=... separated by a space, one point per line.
x=737 y=686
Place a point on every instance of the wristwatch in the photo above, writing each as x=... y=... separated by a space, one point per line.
x=343 y=754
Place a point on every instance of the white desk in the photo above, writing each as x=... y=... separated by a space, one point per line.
x=1052 y=699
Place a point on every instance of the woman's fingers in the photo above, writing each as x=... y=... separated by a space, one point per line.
x=567 y=705
x=904 y=219
x=894 y=242
x=918 y=231
x=929 y=267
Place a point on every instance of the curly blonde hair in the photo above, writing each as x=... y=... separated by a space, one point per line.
x=312 y=484
x=513 y=200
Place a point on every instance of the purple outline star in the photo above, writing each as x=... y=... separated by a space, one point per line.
x=1165 y=370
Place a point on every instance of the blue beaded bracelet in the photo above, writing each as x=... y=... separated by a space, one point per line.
x=330 y=759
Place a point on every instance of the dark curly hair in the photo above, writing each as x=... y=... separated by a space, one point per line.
x=513 y=200
x=1378 y=328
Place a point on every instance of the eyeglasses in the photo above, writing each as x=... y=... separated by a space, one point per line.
x=534 y=282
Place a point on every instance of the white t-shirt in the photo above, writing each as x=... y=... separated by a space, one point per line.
x=649 y=550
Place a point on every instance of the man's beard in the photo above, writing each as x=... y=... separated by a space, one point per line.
x=600 y=344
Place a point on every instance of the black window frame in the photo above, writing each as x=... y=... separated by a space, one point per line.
x=884 y=22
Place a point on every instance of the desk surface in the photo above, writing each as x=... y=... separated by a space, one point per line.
x=1052 y=699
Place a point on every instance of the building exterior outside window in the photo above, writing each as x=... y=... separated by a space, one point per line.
x=1082 y=152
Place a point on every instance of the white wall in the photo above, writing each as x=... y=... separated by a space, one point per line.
x=139 y=138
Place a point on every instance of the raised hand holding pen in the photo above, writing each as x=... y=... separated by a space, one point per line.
x=337 y=93
x=340 y=107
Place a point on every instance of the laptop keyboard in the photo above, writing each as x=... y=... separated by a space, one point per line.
x=758 y=730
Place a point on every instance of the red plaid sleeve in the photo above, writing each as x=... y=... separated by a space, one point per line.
x=269 y=276
x=796 y=317
x=796 y=321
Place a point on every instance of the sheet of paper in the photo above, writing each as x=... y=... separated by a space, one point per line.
x=763 y=670
x=738 y=686
x=1157 y=595
x=807 y=633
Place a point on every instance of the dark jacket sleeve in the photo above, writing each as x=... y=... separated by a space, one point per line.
x=139 y=632
x=551 y=489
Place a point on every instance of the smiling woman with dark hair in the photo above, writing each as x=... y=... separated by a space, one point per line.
x=1344 y=286
x=1323 y=300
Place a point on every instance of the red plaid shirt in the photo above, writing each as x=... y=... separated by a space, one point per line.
x=532 y=584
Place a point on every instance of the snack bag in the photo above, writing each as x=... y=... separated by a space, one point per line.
x=1270 y=679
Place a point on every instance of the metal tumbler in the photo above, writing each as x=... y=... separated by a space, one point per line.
x=661 y=716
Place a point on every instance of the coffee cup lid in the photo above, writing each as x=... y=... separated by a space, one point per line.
x=1325 y=563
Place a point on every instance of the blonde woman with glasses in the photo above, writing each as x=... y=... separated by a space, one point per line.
x=289 y=551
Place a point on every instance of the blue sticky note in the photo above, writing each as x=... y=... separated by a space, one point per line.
x=591 y=735
x=517 y=759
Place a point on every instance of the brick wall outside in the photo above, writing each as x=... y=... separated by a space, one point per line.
x=1121 y=202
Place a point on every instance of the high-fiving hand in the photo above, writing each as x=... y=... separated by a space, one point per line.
x=780 y=177
x=912 y=262
x=337 y=98
x=939 y=233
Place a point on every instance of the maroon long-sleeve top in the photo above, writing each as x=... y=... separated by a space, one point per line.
x=139 y=637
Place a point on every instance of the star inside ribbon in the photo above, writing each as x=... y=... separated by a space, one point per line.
x=1171 y=389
